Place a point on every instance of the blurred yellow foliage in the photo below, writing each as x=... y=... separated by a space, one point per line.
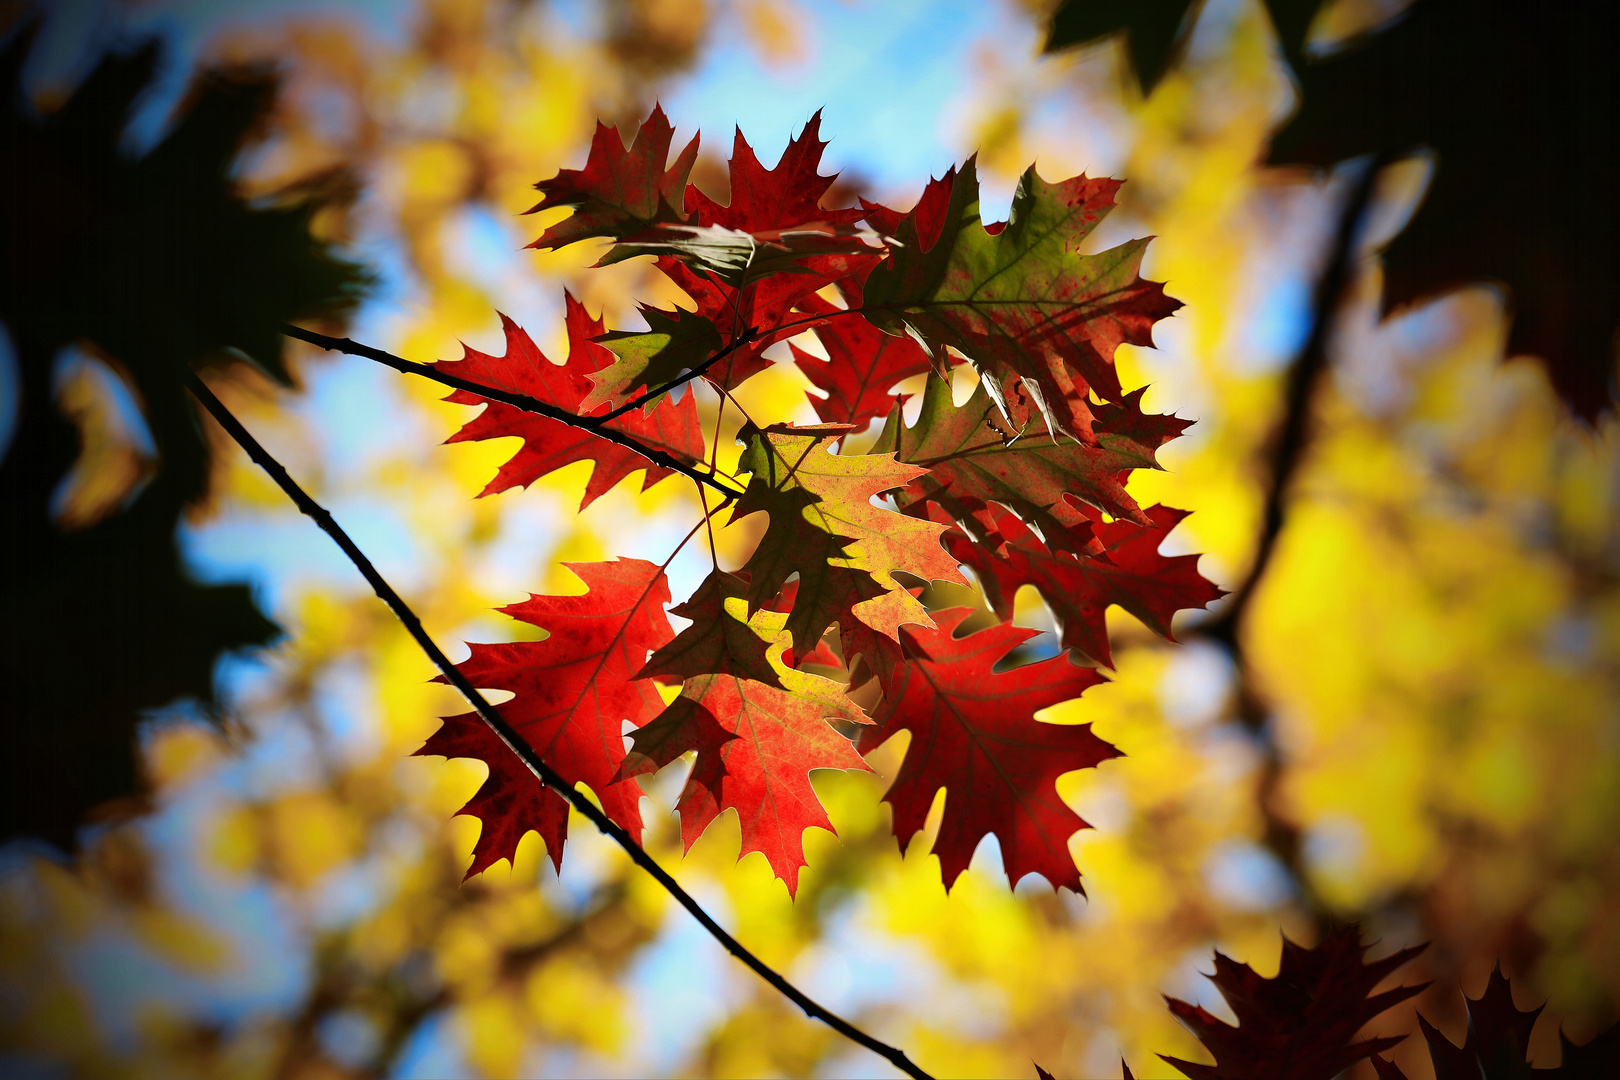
x=1436 y=646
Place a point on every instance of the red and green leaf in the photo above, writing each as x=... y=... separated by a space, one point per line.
x=973 y=461
x=824 y=527
x=1019 y=300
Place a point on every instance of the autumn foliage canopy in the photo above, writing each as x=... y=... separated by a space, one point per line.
x=1024 y=482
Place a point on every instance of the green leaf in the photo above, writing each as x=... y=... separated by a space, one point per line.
x=674 y=342
x=718 y=641
x=973 y=461
x=1019 y=300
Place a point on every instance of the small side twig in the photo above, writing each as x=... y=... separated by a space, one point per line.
x=520 y=747
x=596 y=425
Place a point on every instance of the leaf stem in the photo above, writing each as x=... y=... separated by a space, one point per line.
x=594 y=424
x=516 y=743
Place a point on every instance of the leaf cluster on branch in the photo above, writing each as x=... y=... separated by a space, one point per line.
x=1024 y=483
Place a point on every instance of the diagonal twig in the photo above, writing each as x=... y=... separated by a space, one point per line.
x=520 y=747
x=738 y=342
x=596 y=425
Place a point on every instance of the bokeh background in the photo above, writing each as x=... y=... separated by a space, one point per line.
x=1435 y=650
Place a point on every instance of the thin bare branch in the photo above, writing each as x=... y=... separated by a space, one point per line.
x=596 y=425
x=518 y=745
x=742 y=339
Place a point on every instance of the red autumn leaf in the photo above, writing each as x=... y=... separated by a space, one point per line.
x=1129 y=572
x=764 y=203
x=549 y=445
x=756 y=746
x=765 y=304
x=621 y=190
x=763 y=200
x=862 y=366
x=1297 y=1026
x=510 y=802
x=974 y=733
x=927 y=218
x=870 y=631
x=573 y=693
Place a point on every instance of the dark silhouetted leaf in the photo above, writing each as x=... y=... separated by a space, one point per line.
x=1500 y=94
x=157 y=264
x=1298 y=1025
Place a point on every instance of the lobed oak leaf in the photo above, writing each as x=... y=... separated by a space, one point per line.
x=772 y=246
x=622 y=189
x=1128 y=570
x=745 y=266
x=573 y=692
x=756 y=745
x=1498 y=1041
x=974 y=733
x=549 y=445
x=863 y=365
x=1020 y=301
x=973 y=462
x=824 y=527
x=870 y=631
x=923 y=222
x=1298 y=1025
x=510 y=802
x=769 y=199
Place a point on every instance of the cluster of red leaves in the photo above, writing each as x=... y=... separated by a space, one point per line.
x=1024 y=484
